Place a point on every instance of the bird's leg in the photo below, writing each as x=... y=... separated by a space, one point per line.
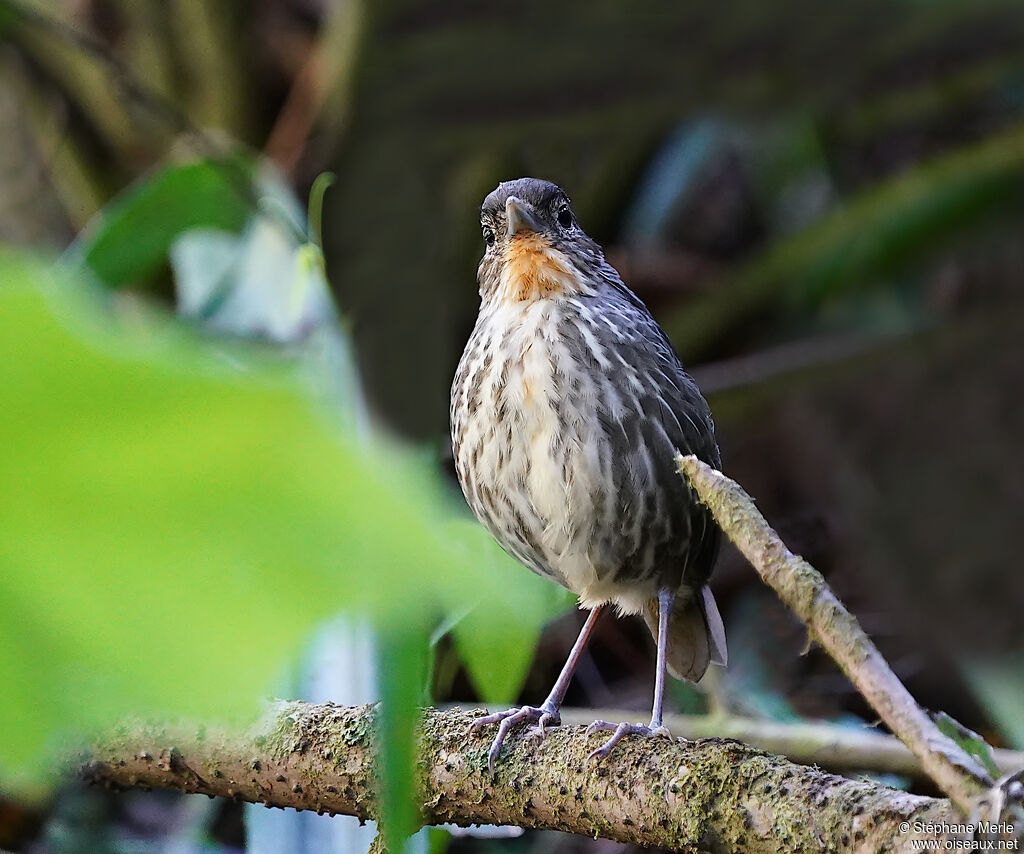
x=656 y=727
x=546 y=714
x=665 y=598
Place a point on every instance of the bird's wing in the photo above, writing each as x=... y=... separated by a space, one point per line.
x=658 y=412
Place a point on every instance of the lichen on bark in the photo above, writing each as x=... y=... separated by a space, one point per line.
x=710 y=794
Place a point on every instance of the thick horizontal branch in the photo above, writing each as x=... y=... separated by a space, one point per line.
x=805 y=591
x=712 y=794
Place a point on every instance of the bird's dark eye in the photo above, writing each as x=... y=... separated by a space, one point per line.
x=565 y=217
x=488 y=235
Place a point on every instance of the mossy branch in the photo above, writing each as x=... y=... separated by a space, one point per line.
x=711 y=794
x=805 y=591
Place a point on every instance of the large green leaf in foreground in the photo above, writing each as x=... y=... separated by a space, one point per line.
x=171 y=527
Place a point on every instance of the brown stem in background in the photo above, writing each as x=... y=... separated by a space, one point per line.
x=843 y=749
x=321 y=89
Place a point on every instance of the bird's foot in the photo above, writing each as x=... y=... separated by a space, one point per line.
x=619 y=731
x=544 y=716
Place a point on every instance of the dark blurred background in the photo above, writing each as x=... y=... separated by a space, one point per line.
x=822 y=204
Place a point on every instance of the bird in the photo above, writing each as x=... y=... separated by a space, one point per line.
x=569 y=407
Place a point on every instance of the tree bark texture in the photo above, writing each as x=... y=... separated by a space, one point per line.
x=711 y=795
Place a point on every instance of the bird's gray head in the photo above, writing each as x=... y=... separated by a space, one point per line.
x=534 y=248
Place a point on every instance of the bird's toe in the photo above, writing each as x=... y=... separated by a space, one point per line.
x=544 y=717
x=618 y=732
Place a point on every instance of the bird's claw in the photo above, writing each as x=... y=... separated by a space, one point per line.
x=540 y=730
x=511 y=717
x=618 y=732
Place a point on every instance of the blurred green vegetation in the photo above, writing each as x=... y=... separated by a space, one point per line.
x=180 y=512
x=174 y=526
x=824 y=207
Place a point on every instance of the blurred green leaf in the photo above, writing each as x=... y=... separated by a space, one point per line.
x=967 y=739
x=999 y=687
x=175 y=520
x=268 y=282
x=496 y=659
x=403 y=664
x=130 y=238
x=439 y=840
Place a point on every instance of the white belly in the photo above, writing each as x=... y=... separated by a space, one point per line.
x=541 y=464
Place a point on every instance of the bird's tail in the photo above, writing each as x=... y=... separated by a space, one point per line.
x=696 y=635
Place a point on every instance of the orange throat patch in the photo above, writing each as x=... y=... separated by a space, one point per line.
x=532 y=269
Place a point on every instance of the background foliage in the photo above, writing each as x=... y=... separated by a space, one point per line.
x=201 y=458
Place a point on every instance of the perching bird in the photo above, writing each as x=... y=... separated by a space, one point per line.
x=568 y=409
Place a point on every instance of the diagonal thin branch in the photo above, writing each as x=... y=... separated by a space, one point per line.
x=712 y=794
x=807 y=594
